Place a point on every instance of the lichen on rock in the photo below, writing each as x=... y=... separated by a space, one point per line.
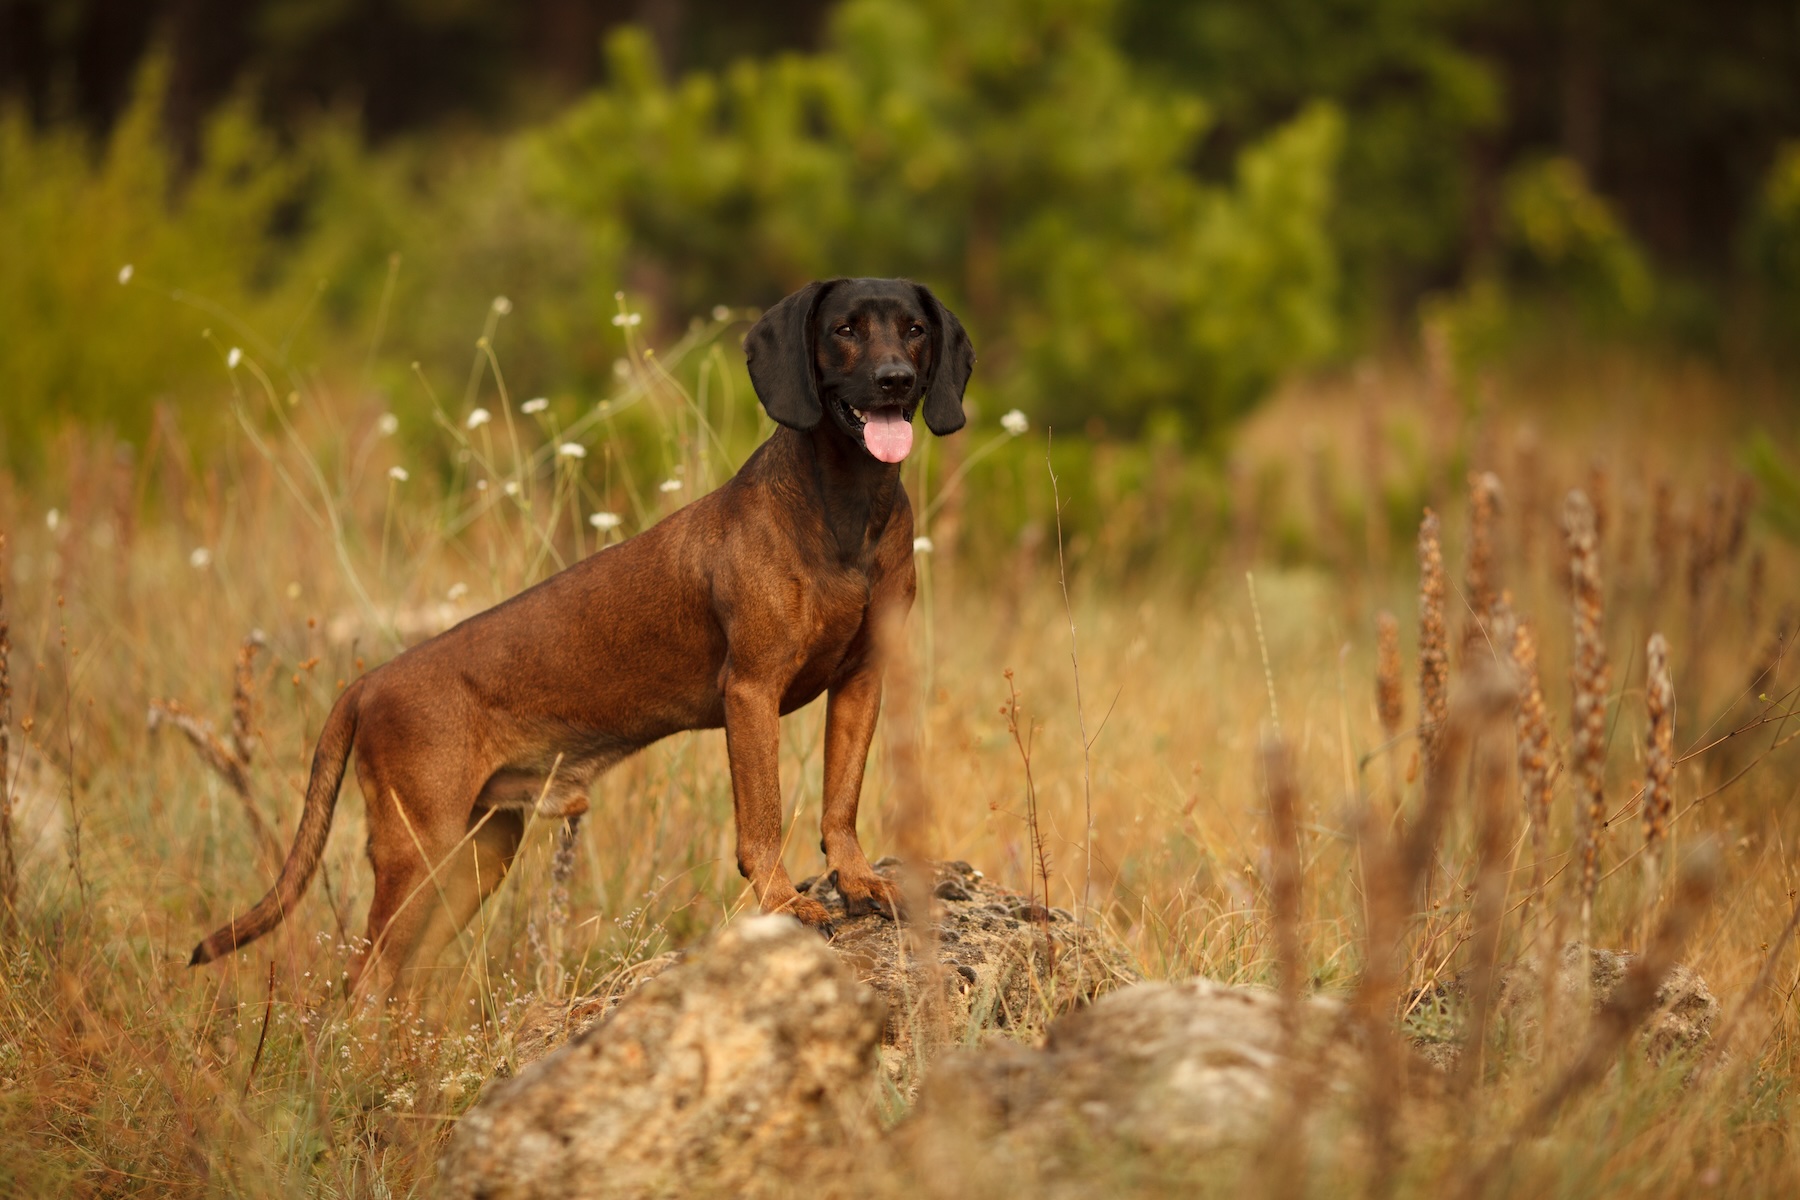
x=730 y=1073
x=1002 y=961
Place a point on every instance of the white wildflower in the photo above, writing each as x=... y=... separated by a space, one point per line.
x=52 y=520
x=502 y=305
x=669 y=485
x=534 y=406
x=922 y=545
x=481 y=485
x=621 y=368
x=571 y=450
x=398 y=474
x=457 y=591
x=233 y=357
x=604 y=521
x=511 y=488
x=387 y=425
x=721 y=313
x=1015 y=423
x=125 y=273
x=628 y=320
x=200 y=559
x=478 y=418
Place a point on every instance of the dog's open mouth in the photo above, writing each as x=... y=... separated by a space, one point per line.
x=887 y=432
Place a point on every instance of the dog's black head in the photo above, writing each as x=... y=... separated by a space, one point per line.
x=866 y=351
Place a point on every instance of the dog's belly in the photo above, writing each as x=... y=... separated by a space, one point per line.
x=561 y=790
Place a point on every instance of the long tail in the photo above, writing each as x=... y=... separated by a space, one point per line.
x=329 y=759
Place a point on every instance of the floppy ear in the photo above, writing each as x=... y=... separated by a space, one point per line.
x=952 y=359
x=779 y=352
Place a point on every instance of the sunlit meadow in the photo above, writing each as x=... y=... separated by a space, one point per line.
x=175 y=611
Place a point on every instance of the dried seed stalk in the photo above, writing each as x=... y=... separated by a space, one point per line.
x=1764 y=671
x=914 y=801
x=1284 y=1171
x=1664 y=533
x=1373 y=1000
x=1535 y=750
x=1635 y=997
x=1478 y=579
x=1389 y=701
x=1494 y=693
x=206 y=742
x=243 y=728
x=1758 y=573
x=1625 y=542
x=1659 y=761
x=231 y=761
x=1705 y=542
x=1434 y=658
x=1284 y=866
x=1599 y=494
x=1590 y=676
x=1023 y=736
x=1375 y=518
x=1630 y=1003
x=556 y=920
x=1420 y=847
x=1743 y=503
x=1528 y=468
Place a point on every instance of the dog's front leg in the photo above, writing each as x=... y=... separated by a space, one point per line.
x=850 y=714
x=753 y=741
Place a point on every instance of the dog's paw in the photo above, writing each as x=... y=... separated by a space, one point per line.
x=871 y=894
x=811 y=913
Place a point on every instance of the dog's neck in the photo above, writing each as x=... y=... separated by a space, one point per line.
x=854 y=492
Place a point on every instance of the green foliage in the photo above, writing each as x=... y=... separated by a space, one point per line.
x=77 y=344
x=1008 y=155
x=1570 y=236
x=1771 y=243
x=1412 y=92
x=1779 y=478
x=308 y=253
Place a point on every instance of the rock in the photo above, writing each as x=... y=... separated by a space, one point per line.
x=735 y=1072
x=1166 y=1070
x=1686 y=1009
x=544 y=1024
x=994 y=951
x=992 y=966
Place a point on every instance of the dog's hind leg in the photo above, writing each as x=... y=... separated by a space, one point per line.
x=465 y=880
x=425 y=859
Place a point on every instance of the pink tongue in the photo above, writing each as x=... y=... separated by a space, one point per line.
x=888 y=435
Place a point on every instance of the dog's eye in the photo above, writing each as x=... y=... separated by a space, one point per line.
x=844 y=331
x=915 y=330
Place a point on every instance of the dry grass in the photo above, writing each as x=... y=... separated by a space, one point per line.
x=122 y=1071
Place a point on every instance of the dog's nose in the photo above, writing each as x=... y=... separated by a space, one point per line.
x=894 y=378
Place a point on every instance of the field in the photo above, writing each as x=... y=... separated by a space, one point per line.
x=1156 y=636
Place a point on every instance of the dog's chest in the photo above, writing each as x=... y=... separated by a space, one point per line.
x=834 y=635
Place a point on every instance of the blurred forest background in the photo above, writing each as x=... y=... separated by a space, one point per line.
x=1147 y=213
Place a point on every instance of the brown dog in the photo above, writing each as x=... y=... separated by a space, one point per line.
x=740 y=607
